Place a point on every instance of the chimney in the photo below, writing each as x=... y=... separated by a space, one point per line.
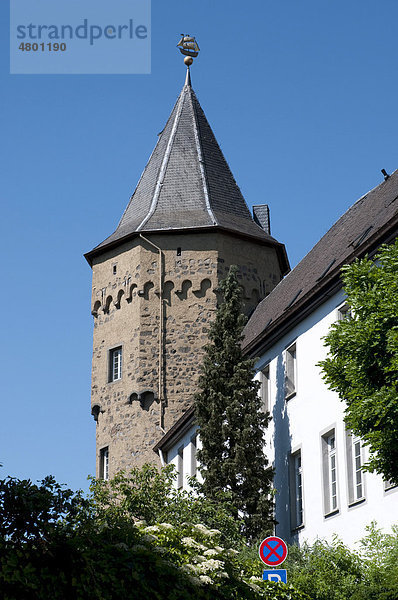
x=261 y=217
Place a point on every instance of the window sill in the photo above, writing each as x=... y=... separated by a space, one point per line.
x=298 y=528
x=332 y=514
x=391 y=489
x=356 y=502
x=115 y=381
x=289 y=396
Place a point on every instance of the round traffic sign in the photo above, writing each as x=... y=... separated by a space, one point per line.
x=273 y=551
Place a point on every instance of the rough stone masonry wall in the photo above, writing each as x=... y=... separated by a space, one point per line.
x=126 y=309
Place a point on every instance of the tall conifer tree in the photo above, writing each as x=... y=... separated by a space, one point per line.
x=230 y=418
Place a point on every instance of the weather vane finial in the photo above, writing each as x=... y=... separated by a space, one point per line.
x=189 y=47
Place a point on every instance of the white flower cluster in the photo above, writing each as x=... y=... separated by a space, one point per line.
x=211 y=552
x=206 y=571
x=205 y=531
x=152 y=529
x=140 y=523
x=205 y=579
x=211 y=565
x=166 y=526
x=195 y=547
x=191 y=543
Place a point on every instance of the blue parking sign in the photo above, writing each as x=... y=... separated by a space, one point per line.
x=277 y=575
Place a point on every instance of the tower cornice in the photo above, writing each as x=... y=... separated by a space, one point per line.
x=265 y=241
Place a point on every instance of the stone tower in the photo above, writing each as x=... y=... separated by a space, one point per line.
x=155 y=285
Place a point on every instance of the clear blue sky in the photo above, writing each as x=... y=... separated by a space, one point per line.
x=302 y=97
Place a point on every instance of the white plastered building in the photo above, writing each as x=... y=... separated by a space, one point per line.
x=320 y=486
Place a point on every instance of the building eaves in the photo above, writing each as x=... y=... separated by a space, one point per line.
x=266 y=241
x=372 y=220
x=179 y=428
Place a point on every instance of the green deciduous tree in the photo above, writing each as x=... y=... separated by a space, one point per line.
x=362 y=366
x=228 y=412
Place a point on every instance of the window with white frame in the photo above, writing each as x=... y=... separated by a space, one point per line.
x=180 y=467
x=330 y=473
x=193 y=455
x=356 y=491
x=296 y=490
x=115 y=364
x=265 y=388
x=104 y=463
x=290 y=371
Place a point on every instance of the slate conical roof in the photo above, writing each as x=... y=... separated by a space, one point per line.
x=187 y=183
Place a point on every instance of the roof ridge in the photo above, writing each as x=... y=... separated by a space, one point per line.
x=144 y=170
x=202 y=165
x=165 y=161
x=373 y=212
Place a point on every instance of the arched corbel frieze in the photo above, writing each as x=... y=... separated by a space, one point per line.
x=205 y=285
x=107 y=304
x=146 y=398
x=96 y=308
x=167 y=289
x=119 y=297
x=182 y=293
x=144 y=293
x=131 y=292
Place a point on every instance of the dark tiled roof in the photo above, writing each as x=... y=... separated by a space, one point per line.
x=370 y=221
x=187 y=183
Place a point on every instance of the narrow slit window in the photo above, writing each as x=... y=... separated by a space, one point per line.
x=265 y=388
x=357 y=468
x=296 y=491
x=104 y=463
x=290 y=371
x=115 y=364
x=354 y=468
x=180 y=467
x=330 y=472
x=194 y=464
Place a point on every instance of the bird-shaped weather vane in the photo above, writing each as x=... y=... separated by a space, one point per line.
x=189 y=47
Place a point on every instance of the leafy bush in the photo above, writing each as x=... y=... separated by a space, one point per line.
x=379 y=555
x=56 y=544
x=149 y=494
x=334 y=572
x=325 y=571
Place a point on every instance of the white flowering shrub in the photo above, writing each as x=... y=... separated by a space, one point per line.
x=196 y=550
x=171 y=535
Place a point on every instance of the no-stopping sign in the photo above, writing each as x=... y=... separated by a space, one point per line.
x=273 y=551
